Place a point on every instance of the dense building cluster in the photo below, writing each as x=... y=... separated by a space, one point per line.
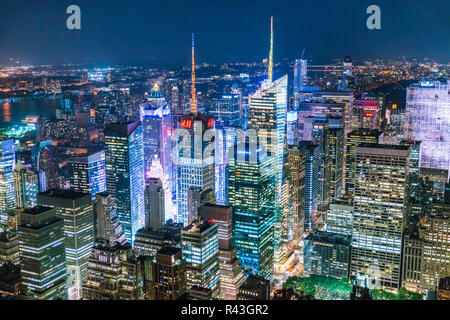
x=221 y=182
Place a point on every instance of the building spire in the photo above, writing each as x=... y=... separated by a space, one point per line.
x=270 y=69
x=193 y=93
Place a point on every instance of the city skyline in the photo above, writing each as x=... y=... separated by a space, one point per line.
x=146 y=33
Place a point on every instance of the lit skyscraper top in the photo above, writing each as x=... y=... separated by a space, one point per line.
x=270 y=69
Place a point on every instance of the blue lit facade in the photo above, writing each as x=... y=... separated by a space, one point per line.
x=7 y=162
x=125 y=174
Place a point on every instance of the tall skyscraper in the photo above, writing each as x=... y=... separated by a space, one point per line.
x=157 y=130
x=75 y=208
x=194 y=168
x=231 y=276
x=109 y=227
x=380 y=182
x=311 y=194
x=297 y=157
x=42 y=254
x=300 y=75
x=267 y=115
x=154 y=204
x=200 y=244
x=226 y=110
x=88 y=173
x=26 y=186
x=125 y=174
x=7 y=163
x=365 y=114
x=428 y=121
x=252 y=192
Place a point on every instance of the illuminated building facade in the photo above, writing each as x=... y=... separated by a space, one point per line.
x=380 y=182
x=169 y=274
x=267 y=115
x=354 y=139
x=192 y=169
x=42 y=254
x=157 y=130
x=109 y=227
x=154 y=204
x=226 y=110
x=428 y=121
x=76 y=210
x=327 y=254
x=231 y=276
x=365 y=114
x=7 y=163
x=340 y=217
x=9 y=248
x=252 y=192
x=125 y=174
x=26 y=186
x=297 y=157
x=88 y=173
x=200 y=245
x=311 y=194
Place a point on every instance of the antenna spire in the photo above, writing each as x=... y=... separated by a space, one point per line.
x=270 y=69
x=193 y=93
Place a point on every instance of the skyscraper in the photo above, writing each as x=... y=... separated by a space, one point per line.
x=354 y=139
x=267 y=115
x=88 y=173
x=380 y=182
x=75 y=208
x=42 y=254
x=154 y=204
x=7 y=163
x=194 y=168
x=169 y=274
x=300 y=75
x=311 y=194
x=109 y=227
x=297 y=157
x=200 y=244
x=252 y=192
x=231 y=276
x=157 y=130
x=125 y=174
x=428 y=121
x=26 y=186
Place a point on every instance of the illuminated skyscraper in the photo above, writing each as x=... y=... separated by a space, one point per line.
x=226 y=110
x=297 y=157
x=157 y=130
x=300 y=75
x=267 y=115
x=26 y=186
x=428 y=121
x=125 y=174
x=200 y=244
x=7 y=163
x=380 y=182
x=88 y=173
x=195 y=166
x=75 y=208
x=311 y=194
x=252 y=192
x=42 y=254
x=365 y=114
x=109 y=227
x=354 y=139
x=231 y=276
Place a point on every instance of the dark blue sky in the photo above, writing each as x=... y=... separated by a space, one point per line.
x=138 y=31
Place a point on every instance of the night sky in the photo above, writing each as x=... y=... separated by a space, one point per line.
x=159 y=32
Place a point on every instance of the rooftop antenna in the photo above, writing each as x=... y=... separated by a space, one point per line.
x=270 y=66
x=193 y=93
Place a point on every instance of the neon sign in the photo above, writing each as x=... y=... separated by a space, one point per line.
x=186 y=124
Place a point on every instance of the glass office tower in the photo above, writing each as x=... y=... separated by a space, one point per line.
x=125 y=174
x=88 y=173
x=42 y=254
x=7 y=162
x=252 y=191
